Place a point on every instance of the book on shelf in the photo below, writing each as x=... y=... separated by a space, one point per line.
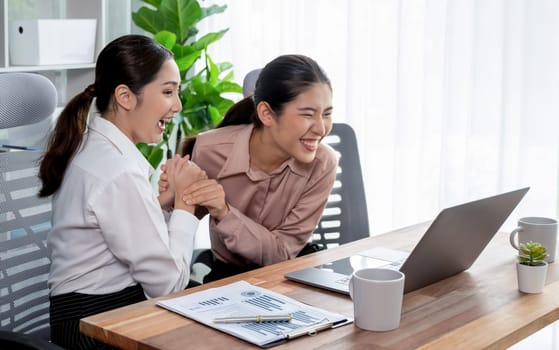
x=254 y=314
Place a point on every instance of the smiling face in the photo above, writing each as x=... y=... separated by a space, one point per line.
x=298 y=130
x=156 y=105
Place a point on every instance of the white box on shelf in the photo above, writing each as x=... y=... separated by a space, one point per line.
x=52 y=41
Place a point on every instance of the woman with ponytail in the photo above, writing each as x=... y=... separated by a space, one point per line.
x=275 y=173
x=111 y=242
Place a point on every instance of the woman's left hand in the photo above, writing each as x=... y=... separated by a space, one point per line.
x=207 y=193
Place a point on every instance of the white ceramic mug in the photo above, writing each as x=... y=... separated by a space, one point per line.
x=377 y=295
x=537 y=229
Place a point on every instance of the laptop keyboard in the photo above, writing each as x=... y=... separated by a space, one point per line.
x=343 y=281
x=395 y=265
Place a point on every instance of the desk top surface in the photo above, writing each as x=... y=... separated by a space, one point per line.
x=478 y=308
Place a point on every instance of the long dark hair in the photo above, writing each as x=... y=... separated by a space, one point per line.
x=132 y=60
x=279 y=83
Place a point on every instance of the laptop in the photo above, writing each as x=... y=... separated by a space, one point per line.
x=451 y=244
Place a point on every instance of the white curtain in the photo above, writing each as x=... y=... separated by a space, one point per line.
x=452 y=100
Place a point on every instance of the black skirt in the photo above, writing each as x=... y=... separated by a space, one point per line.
x=66 y=310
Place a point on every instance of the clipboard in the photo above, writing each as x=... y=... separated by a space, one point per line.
x=241 y=299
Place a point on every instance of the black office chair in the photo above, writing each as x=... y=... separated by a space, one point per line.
x=345 y=217
x=25 y=98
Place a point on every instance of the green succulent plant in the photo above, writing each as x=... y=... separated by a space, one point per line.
x=531 y=253
x=173 y=24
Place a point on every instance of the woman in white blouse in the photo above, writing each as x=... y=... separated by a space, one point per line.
x=111 y=243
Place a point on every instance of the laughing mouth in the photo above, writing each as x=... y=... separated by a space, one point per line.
x=310 y=145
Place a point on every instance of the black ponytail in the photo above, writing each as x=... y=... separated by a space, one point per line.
x=64 y=141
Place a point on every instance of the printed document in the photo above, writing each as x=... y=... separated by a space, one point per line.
x=242 y=299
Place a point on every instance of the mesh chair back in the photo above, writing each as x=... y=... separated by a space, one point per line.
x=25 y=98
x=24 y=263
x=345 y=217
x=249 y=82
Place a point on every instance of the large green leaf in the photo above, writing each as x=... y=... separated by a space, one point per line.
x=166 y=39
x=206 y=90
x=222 y=104
x=149 y=20
x=185 y=62
x=200 y=119
x=180 y=16
x=207 y=39
x=215 y=116
x=212 y=10
x=192 y=32
x=155 y=157
x=143 y=148
x=205 y=94
x=183 y=50
x=186 y=128
x=190 y=108
x=154 y=3
x=213 y=73
x=223 y=66
x=153 y=153
x=229 y=76
x=229 y=86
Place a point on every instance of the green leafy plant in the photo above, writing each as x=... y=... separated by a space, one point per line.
x=531 y=253
x=173 y=24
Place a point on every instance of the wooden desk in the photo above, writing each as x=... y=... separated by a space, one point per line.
x=479 y=308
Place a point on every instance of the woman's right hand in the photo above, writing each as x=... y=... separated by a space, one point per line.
x=163 y=182
x=166 y=179
x=184 y=174
x=167 y=188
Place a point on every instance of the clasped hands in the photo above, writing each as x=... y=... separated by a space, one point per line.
x=189 y=186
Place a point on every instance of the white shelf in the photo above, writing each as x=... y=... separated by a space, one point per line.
x=114 y=19
x=46 y=68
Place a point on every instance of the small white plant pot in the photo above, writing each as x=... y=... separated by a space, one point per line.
x=531 y=279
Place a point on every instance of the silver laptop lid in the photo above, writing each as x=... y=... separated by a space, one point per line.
x=451 y=244
x=456 y=238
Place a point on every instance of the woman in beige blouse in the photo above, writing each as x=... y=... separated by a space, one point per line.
x=274 y=173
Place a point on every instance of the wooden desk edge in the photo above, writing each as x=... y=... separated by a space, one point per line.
x=487 y=331
x=91 y=325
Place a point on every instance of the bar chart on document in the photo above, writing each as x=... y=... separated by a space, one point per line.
x=244 y=300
